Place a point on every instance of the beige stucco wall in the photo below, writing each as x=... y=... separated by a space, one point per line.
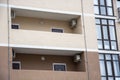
x=88 y=6
x=3 y=1
x=89 y=20
x=115 y=7
x=3 y=25
x=73 y=5
x=117 y=24
x=48 y=39
x=118 y=33
x=90 y=31
x=74 y=41
x=60 y=40
x=28 y=25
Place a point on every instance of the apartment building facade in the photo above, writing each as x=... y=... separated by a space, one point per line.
x=59 y=39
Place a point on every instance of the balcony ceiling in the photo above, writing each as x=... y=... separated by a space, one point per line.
x=46 y=51
x=45 y=14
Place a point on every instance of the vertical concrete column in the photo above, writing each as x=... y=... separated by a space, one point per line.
x=3 y=63
x=93 y=65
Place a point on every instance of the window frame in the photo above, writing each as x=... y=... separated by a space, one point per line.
x=106 y=8
x=59 y=29
x=18 y=63
x=112 y=65
x=15 y=24
x=108 y=32
x=59 y=64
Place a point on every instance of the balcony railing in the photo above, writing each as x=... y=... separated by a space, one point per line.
x=46 y=75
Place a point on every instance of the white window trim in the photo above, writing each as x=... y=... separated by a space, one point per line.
x=57 y=28
x=18 y=63
x=60 y=64
x=16 y=24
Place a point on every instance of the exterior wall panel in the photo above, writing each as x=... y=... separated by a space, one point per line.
x=118 y=34
x=48 y=39
x=88 y=7
x=73 y=5
x=116 y=5
x=90 y=30
x=93 y=66
x=3 y=25
x=3 y=1
x=46 y=75
x=40 y=38
x=3 y=63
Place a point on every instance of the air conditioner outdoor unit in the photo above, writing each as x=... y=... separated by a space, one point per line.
x=73 y=23
x=13 y=15
x=118 y=14
x=77 y=58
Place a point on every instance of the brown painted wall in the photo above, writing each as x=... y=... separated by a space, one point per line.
x=3 y=63
x=29 y=61
x=34 y=62
x=47 y=75
x=93 y=66
x=81 y=65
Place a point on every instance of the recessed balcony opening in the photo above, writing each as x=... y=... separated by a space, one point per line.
x=46 y=21
x=48 y=60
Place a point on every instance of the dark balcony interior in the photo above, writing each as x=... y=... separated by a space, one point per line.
x=45 y=21
x=35 y=62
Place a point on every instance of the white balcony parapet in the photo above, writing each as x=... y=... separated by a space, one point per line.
x=65 y=41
